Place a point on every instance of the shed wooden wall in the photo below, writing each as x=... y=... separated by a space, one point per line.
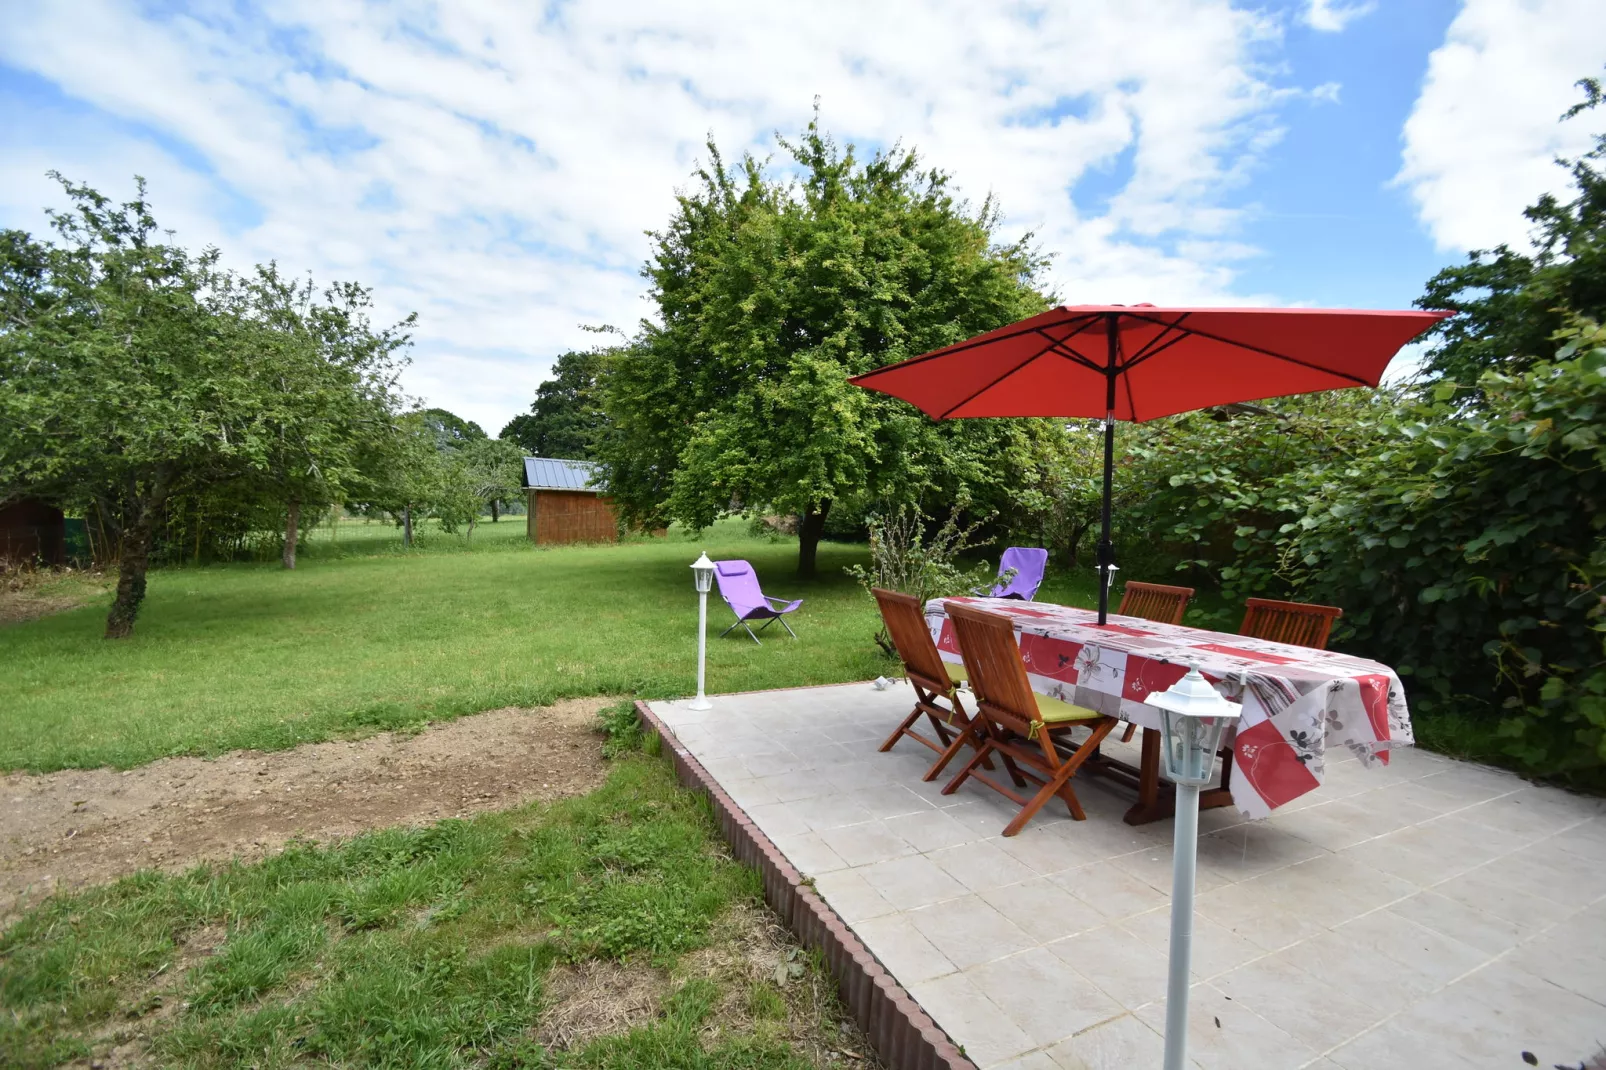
x=562 y=516
x=32 y=531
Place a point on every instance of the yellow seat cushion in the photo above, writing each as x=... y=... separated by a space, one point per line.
x=956 y=671
x=1058 y=711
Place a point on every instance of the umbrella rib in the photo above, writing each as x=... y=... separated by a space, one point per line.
x=1005 y=375
x=1155 y=352
x=1059 y=348
x=1259 y=349
x=1153 y=346
x=960 y=347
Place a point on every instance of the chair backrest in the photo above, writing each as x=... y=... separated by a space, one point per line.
x=1154 y=601
x=992 y=662
x=1298 y=623
x=906 y=624
x=738 y=585
x=1029 y=563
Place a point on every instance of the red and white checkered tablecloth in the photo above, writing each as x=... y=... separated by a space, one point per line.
x=1296 y=701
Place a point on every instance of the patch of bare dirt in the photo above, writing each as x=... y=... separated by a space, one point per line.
x=598 y=999
x=79 y=827
x=27 y=594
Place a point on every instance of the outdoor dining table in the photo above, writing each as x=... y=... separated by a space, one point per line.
x=1296 y=701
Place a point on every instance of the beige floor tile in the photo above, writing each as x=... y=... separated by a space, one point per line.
x=1550 y=872
x=1043 y=995
x=746 y=792
x=1302 y=1005
x=911 y=882
x=1225 y=1035
x=1249 y=912
x=794 y=785
x=1120 y=1044
x=1047 y=849
x=976 y=1023
x=1462 y=922
x=1496 y=893
x=1110 y=890
x=1154 y=867
x=1347 y=822
x=902 y=949
x=981 y=866
x=1424 y=854
x=888 y=800
x=1036 y=1060
x=1044 y=909
x=866 y=844
x=1216 y=949
x=1406 y=1043
x=1436 y=957
x=1536 y=812
x=1253 y=848
x=778 y=819
x=809 y=854
x=1468 y=784
x=1331 y=888
x=830 y=811
x=1531 y=1014
x=970 y=931
x=1128 y=969
x=1587 y=839
x=1358 y=971
x=931 y=830
x=1571 y=954
x=850 y=895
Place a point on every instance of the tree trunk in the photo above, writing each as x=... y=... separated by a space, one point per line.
x=810 y=526
x=407 y=526
x=493 y=511
x=292 y=532
x=131 y=577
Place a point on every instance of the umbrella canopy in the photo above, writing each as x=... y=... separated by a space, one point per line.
x=1140 y=362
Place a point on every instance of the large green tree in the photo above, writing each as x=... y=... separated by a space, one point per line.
x=133 y=372
x=566 y=419
x=770 y=295
x=1512 y=303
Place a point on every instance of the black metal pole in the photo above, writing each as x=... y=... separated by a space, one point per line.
x=1106 y=554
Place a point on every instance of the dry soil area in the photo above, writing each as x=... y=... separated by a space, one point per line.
x=78 y=827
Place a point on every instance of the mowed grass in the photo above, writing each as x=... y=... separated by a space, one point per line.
x=426 y=947
x=364 y=636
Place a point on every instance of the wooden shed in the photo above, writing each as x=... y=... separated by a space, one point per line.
x=32 y=531
x=563 y=505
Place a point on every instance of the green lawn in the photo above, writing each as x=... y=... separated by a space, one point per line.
x=426 y=947
x=364 y=635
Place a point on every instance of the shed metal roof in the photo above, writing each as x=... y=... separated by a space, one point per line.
x=549 y=473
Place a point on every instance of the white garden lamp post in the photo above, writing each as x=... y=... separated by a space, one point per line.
x=702 y=573
x=1192 y=716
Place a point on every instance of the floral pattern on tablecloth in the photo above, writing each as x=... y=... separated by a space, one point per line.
x=1296 y=701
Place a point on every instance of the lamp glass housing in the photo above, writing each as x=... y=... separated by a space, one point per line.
x=702 y=574
x=1193 y=716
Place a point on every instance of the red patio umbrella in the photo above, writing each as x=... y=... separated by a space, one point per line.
x=1140 y=362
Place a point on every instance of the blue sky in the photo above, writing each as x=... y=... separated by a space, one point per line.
x=493 y=167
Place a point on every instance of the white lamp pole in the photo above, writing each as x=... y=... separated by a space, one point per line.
x=702 y=572
x=1193 y=716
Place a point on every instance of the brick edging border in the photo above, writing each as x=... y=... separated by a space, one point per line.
x=902 y=1033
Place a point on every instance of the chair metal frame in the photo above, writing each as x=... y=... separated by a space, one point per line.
x=1013 y=728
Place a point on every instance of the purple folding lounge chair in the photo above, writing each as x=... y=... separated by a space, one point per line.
x=1028 y=563
x=738 y=586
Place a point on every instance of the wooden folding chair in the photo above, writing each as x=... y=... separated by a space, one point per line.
x=1297 y=623
x=932 y=679
x=1021 y=727
x=1156 y=602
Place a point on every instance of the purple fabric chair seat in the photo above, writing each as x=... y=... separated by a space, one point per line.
x=1029 y=562
x=738 y=586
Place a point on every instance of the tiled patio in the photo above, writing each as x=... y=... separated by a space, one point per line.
x=1430 y=914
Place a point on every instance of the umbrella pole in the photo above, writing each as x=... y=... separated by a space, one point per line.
x=1106 y=553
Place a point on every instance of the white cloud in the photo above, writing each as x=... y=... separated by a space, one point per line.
x=1326 y=16
x=1482 y=137
x=494 y=168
